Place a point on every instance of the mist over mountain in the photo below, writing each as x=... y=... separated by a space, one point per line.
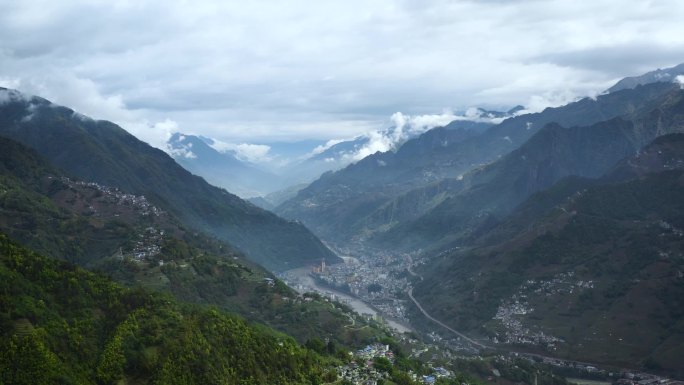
x=223 y=169
x=367 y=197
x=228 y=165
x=551 y=154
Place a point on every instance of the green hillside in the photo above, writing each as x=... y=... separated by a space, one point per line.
x=132 y=241
x=62 y=324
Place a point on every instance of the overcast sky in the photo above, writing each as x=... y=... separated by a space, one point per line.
x=261 y=71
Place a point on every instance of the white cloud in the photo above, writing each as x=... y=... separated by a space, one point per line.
x=405 y=127
x=9 y=82
x=183 y=152
x=319 y=149
x=255 y=153
x=181 y=149
x=88 y=102
x=537 y=103
x=10 y=96
x=378 y=141
x=680 y=79
x=323 y=69
x=80 y=94
x=154 y=133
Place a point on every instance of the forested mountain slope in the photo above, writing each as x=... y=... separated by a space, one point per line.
x=102 y=152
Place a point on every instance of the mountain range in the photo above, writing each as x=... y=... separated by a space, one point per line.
x=665 y=75
x=557 y=233
x=588 y=268
x=364 y=196
x=281 y=171
x=489 y=193
x=138 y=244
x=222 y=169
x=102 y=152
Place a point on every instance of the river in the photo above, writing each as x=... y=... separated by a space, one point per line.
x=304 y=282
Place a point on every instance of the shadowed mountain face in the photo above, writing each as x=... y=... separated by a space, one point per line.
x=596 y=264
x=488 y=194
x=350 y=194
x=102 y=152
x=388 y=190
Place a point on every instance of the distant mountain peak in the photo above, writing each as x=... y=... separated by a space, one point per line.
x=221 y=167
x=666 y=75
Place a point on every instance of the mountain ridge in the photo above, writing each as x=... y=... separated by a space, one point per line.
x=366 y=188
x=103 y=152
x=620 y=232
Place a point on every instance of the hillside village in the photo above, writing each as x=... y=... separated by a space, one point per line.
x=509 y=318
x=369 y=366
x=113 y=195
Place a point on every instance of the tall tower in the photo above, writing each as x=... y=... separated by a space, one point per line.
x=322 y=265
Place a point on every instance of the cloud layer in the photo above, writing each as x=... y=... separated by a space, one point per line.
x=267 y=71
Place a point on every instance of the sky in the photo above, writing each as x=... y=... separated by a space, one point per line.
x=254 y=72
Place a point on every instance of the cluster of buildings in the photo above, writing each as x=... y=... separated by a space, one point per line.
x=391 y=307
x=148 y=245
x=563 y=283
x=638 y=378
x=361 y=370
x=666 y=226
x=624 y=377
x=378 y=280
x=511 y=313
x=116 y=196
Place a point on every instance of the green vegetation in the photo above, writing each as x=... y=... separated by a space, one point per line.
x=62 y=324
x=93 y=227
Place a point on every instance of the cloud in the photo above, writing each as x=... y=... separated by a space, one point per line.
x=404 y=127
x=255 y=153
x=321 y=148
x=182 y=152
x=680 y=80
x=85 y=98
x=181 y=149
x=537 y=103
x=325 y=69
x=11 y=96
x=154 y=133
x=621 y=60
x=80 y=94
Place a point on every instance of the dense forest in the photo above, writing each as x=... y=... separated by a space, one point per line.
x=64 y=325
